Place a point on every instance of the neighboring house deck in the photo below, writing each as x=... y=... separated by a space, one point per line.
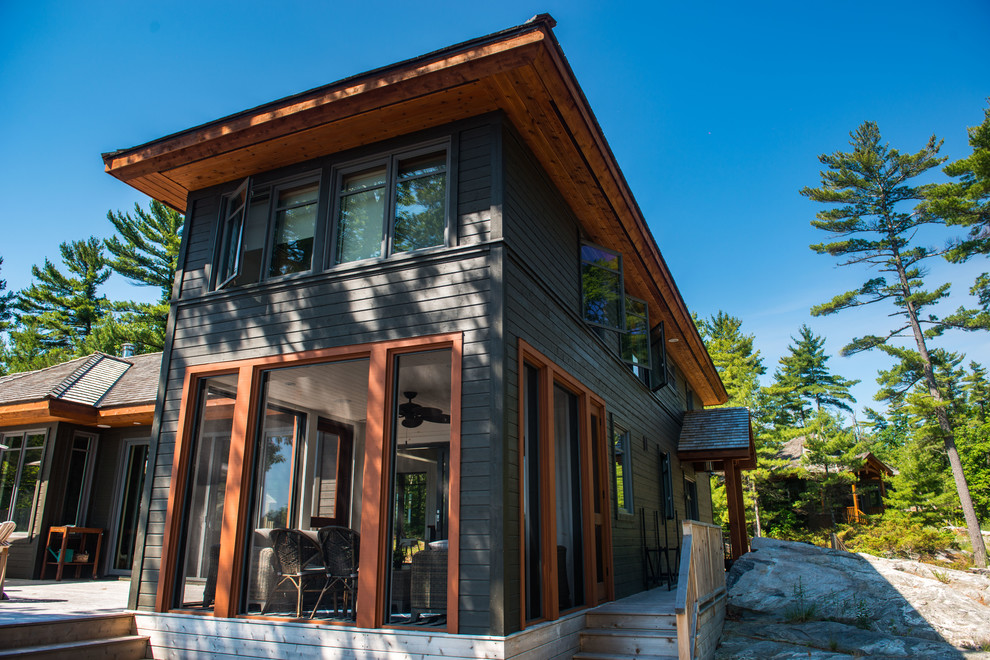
x=426 y=369
x=866 y=492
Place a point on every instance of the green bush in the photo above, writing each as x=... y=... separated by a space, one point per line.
x=897 y=534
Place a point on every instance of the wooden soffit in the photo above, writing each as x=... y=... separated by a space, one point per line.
x=56 y=410
x=521 y=72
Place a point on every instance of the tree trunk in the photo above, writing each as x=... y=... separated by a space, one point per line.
x=757 y=528
x=962 y=488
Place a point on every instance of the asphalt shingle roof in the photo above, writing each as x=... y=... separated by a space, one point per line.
x=715 y=429
x=98 y=380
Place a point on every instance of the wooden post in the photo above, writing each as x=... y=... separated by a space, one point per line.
x=737 y=512
x=855 y=504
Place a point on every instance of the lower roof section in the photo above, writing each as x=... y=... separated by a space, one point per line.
x=716 y=435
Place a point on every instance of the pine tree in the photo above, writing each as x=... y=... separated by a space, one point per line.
x=966 y=203
x=732 y=352
x=145 y=251
x=870 y=227
x=67 y=305
x=804 y=379
x=6 y=303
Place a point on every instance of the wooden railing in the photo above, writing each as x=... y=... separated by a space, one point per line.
x=701 y=581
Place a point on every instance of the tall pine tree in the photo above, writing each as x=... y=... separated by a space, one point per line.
x=67 y=305
x=869 y=187
x=805 y=382
x=145 y=250
x=966 y=203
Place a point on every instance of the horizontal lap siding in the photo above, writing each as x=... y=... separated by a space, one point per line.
x=436 y=292
x=543 y=307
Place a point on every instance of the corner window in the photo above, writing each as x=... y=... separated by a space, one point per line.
x=393 y=207
x=20 y=477
x=690 y=499
x=622 y=470
x=81 y=460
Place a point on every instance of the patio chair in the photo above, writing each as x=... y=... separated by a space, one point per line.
x=297 y=558
x=428 y=592
x=6 y=529
x=341 y=548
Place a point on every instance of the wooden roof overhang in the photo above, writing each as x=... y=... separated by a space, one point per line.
x=522 y=72
x=56 y=410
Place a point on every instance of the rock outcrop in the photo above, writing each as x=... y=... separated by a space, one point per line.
x=797 y=600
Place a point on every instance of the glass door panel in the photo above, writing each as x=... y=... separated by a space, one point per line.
x=129 y=498
x=570 y=525
x=205 y=487
x=309 y=444
x=420 y=487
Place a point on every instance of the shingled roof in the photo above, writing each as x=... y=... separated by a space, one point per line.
x=84 y=390
x=716 y=434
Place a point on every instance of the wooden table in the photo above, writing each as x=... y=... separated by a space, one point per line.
x=85 y=535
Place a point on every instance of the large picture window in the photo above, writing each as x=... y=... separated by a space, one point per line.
x=304 y=490
x=20 y=477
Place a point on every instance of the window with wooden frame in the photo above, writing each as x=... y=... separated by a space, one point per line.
x=290 y=422
x=565 y=536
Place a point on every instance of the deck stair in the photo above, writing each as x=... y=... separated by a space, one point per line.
x=641 y=626
x=80 y=638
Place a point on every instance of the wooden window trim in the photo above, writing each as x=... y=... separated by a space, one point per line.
x=551 y=374
x=236 y=509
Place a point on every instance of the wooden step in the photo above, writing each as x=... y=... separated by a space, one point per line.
x=582 y=655
x=632 y=621
x=63 y=631
x=128 y=647
x=640 y=643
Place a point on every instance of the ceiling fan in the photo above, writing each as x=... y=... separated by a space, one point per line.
x=413 y=414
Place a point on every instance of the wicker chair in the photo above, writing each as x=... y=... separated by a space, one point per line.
x=428 y=591
x=297 y=559
x=341 y=548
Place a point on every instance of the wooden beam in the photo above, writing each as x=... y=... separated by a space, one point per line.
x=738 y=536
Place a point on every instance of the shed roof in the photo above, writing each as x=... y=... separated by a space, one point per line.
x=521 y=72
x=793 y=451
x=715 y=434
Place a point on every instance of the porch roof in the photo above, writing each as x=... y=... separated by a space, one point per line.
x=521 y=72
x=95 y=389
x=714 y=435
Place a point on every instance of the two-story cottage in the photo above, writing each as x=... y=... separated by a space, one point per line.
x=425 y=368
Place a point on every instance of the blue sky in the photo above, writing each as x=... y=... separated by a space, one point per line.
x=715 y=111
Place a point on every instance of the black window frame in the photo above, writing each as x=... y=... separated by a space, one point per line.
x=391 y=162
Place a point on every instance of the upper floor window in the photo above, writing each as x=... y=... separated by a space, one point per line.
x=380 y=208
x=393 y=207
x=621 y=320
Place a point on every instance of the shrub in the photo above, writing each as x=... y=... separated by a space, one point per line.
x=897 y=534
